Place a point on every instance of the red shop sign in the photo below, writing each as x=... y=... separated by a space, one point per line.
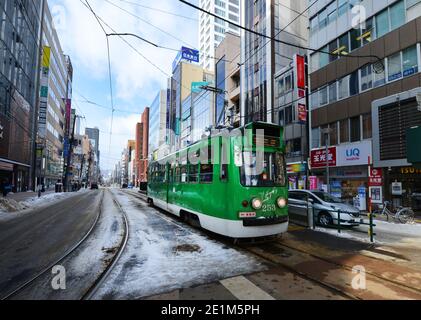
x=318 y=158
x=301 y=72
x=376 y=178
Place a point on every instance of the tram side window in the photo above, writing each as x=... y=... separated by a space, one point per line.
x=184 y=174
x=206 y=173
x=224 y=163
x=177 y=176
x=193 y=173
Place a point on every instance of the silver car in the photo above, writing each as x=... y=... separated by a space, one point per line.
x=326 y=208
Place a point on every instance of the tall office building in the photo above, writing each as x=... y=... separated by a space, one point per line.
x=212 y=30
x=20 y=31
x=93 y=135
x=362 y=106
x=54 y=105
x=158 y=146
x=280 y=19
x=142 y=148
x=185 y=74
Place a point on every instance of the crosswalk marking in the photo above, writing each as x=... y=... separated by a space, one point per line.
x=244 y=289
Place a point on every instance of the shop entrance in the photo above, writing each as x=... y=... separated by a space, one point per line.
x=403 y=187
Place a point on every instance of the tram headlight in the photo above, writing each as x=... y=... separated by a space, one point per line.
x=257 y=204
x=282 y=203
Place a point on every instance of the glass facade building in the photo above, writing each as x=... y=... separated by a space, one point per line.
x=19 y=58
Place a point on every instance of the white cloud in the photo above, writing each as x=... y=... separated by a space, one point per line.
x=135 y=80
x=134 y=77
x=124 y=129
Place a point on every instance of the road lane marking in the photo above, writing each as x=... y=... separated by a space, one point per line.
x=244 y=289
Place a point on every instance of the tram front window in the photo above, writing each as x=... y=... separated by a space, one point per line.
x=263 y=169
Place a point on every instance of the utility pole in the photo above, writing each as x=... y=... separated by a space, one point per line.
x=308 y=123
x=33 y=172
x=326 y=132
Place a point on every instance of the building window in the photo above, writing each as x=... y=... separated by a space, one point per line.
x=314 y=99
x=353 y=84
x=323 y=19
x=342 y=7
x=324 y=136
x=323 y=96
x=313 y=24
x=355 y=35
x=289 y=116
x=366 y=78
x=367 y=126
x=344 y=131
x=382 y=23
x=379 y=78
x=331 y=13
x=315 y=137
x=333 y=95
x=355 y=126
x=288 y=83
x=282 y=117
x=343 y=88
x=368 y=33
x=344 y=44
x=293 y=147
x=410 y=61
x=333 y=134
x=333 y=49
x=324 y=57
x=397 y=15
x=395 y=67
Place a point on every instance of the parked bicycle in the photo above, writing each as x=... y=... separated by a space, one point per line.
x=403 y=215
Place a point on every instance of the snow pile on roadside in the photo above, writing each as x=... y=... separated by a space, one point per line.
x=44 y=199
x=10 y=205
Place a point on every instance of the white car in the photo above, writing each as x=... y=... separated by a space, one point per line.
x=326 y=208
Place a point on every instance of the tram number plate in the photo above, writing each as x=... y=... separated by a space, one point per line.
x=268 y=207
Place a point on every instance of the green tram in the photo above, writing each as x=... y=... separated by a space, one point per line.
x=218 y=185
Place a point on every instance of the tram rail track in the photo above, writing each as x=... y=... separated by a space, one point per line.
x=47 y=269
x=99 y=281
x=90 y=293
x=230 y=243
x=243 y=246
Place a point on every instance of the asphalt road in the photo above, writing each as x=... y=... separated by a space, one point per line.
x=33 y=241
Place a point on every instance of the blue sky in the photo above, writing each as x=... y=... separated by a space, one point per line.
x=135 y=80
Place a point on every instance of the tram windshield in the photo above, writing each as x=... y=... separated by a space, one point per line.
x=263 y=169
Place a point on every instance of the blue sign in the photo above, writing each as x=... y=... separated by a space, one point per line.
x=190 y=54
x=66 y=147
x=196 y=86
x=186 y=54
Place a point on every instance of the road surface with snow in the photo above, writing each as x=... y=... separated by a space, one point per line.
x=33 y=239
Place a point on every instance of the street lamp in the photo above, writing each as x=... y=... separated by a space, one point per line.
x=327 y=132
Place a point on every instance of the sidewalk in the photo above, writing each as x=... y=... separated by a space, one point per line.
x=380 y=217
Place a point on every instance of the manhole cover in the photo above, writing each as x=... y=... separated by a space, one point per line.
x=187 y=248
